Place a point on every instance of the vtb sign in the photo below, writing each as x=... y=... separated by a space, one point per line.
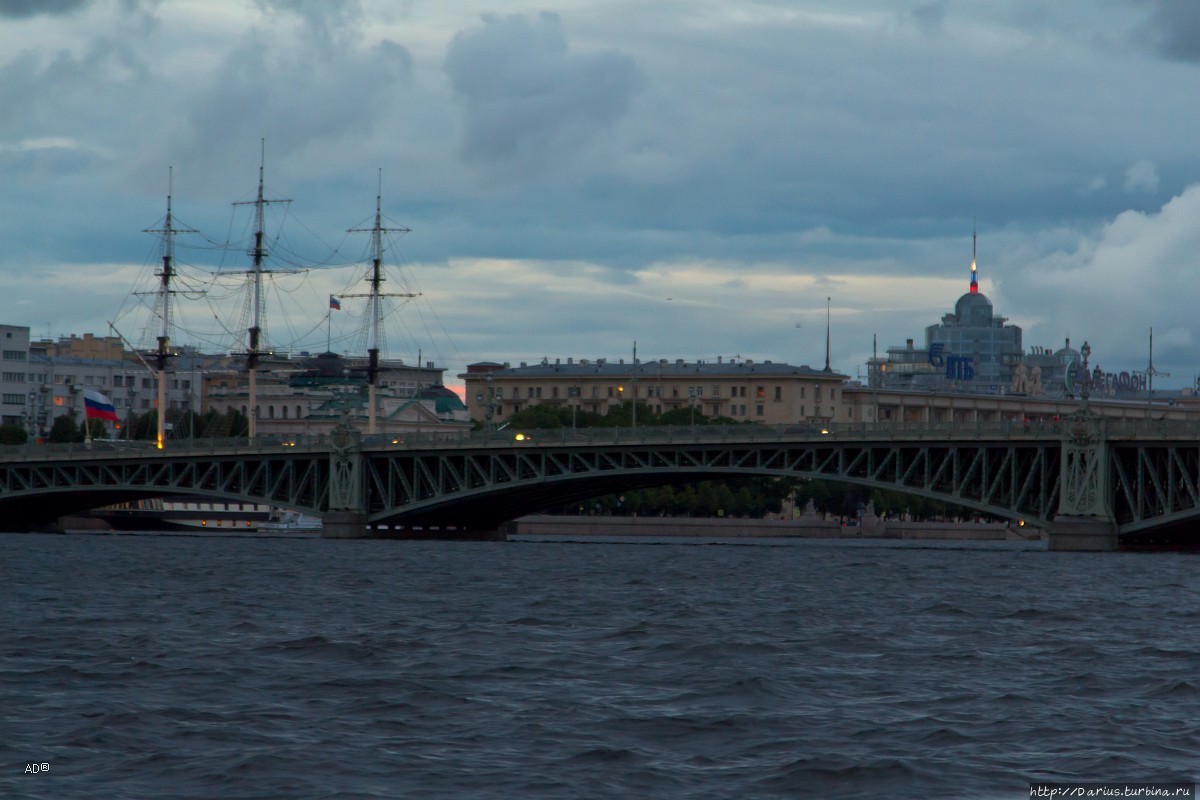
x=958 y=368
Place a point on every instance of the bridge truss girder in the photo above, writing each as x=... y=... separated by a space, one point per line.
x=1154 y=484
x=477 y=487
x=35 y=492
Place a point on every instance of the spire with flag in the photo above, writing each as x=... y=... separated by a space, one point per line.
x=974 y=280
x=335 y=303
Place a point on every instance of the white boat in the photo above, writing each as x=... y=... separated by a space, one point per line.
x=283 y=519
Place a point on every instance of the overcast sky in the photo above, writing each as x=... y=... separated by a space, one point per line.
x=695 y=175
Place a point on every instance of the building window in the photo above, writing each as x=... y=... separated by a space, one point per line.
x=14 y=377
x=760 y=392
x=14 y=355
x=758 y=410
x=538 y=393
x=778 y=393
x=529 y=391
x=554 y=392
x=14 y=399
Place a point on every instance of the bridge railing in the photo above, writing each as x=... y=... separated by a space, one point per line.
x=1040 y=430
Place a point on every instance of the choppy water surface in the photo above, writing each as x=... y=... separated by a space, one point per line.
x=175 y=667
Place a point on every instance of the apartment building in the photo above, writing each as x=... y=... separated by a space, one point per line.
x=742 y=389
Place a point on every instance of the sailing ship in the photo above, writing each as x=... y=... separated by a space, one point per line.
x=178 y=512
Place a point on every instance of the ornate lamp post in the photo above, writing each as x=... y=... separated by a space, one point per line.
x=1085 y=378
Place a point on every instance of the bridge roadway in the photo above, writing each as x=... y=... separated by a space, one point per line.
x=1092 y=483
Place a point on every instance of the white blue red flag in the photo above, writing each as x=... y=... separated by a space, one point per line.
x=98 y=406
x=334 y=303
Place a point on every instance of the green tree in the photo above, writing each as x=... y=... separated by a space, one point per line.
x=13 y=434
x=64 y=430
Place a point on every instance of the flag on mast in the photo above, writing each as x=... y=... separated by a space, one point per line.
x=334 y=303
x=97 y=406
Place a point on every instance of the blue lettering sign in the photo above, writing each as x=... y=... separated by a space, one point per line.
x=935 y=353
x=958 y=368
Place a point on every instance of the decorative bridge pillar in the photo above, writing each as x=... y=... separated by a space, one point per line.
x=1084 y=521
x=347 y=516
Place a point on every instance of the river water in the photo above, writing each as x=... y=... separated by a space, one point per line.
x=224 y=667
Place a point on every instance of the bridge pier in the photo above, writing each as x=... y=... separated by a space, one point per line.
x=1082 y=534
x=345 y=525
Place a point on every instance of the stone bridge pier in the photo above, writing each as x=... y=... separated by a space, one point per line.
x=347 y=516
x=1084 y=522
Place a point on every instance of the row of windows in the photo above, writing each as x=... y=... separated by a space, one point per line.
x=12 y=377
x=14 y=355
x=283 y=412
x=14 y=399
x=760 y=392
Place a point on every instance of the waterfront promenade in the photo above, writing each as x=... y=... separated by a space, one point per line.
x=804 y=527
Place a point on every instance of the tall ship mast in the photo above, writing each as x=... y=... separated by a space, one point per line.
x=163 y=354
x=374 y=299
x=258 y=255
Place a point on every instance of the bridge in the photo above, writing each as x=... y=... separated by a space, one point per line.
x=1092 y=484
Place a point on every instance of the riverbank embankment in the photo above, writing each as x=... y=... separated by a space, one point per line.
x=807 y=526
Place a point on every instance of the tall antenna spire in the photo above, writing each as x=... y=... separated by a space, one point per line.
x=258 y=254
x=974 y=243
x=376 y=279
x=827 y=367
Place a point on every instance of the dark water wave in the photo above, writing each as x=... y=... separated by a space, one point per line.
x=240 y=668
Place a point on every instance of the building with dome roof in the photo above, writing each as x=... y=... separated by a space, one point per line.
x=973 y=350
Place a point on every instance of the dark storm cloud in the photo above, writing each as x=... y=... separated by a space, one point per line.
x=317 y=94
x=527 y=98
x=1173 y=28
x=29 y=8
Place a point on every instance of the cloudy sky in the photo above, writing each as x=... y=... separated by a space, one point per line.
x=696 y=175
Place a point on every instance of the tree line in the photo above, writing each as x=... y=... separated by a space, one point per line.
x=184 y=424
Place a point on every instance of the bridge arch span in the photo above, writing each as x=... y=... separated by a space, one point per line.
x=484 y=488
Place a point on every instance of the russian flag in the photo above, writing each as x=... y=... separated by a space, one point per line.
x=98 y=406
x=334 y=303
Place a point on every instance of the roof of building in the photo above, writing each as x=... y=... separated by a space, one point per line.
x=652 y=369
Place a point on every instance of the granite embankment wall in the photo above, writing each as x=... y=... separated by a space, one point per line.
x=806 y=527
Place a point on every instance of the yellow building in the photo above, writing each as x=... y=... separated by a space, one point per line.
x=743 y=389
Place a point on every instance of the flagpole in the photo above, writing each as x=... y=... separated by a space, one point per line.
x=328 y=328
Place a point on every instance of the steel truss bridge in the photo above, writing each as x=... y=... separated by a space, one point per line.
x=1140 y=477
